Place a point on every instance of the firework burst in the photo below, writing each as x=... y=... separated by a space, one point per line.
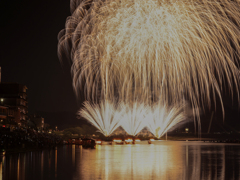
x=161 y=119
x=154 y=50
x=104 y=116
x=133 y=118
x=107 y=117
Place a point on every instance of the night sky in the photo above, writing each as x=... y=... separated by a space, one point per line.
x=28 y=55
x=29 y=30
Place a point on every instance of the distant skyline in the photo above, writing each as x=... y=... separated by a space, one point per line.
x=29 y=31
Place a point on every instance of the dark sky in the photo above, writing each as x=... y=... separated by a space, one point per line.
x=29 y=30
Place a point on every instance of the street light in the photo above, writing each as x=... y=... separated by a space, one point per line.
x=1 y=100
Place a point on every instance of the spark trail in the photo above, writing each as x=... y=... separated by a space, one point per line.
x=107 y=117
x=161 y=119
x=154 y=47
x=104 y=116
x=154 y=50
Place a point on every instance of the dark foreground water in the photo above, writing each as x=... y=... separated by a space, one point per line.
x=161 y=160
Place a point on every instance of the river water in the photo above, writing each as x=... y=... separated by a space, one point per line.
x=174 y=160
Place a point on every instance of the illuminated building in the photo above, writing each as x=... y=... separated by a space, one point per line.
x=14 y=97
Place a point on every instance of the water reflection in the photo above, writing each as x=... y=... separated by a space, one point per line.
x=1 y=167
x=160 y=160
x=41 y=165
x=73 y=154
x=18 y=168
x=56 y=162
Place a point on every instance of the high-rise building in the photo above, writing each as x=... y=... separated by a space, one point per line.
x=14 y=97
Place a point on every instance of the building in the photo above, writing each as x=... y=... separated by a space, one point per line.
x=8 y=116
x=38 y=121
x=3 y=113
x=14 y=102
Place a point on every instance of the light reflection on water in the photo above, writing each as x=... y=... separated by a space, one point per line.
x=160 y=160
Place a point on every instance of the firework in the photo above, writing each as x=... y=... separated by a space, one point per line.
x=131 y=51
x=104 y=116
x=133 y=117
x=161 y=119
x=152 y=48
x=107 y=117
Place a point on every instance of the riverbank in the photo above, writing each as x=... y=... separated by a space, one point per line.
x=23 y=140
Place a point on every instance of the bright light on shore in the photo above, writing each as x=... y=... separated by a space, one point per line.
x=129 y=140
x=117 y=140
x=98 y=142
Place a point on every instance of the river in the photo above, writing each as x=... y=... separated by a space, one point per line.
x=173 y=160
